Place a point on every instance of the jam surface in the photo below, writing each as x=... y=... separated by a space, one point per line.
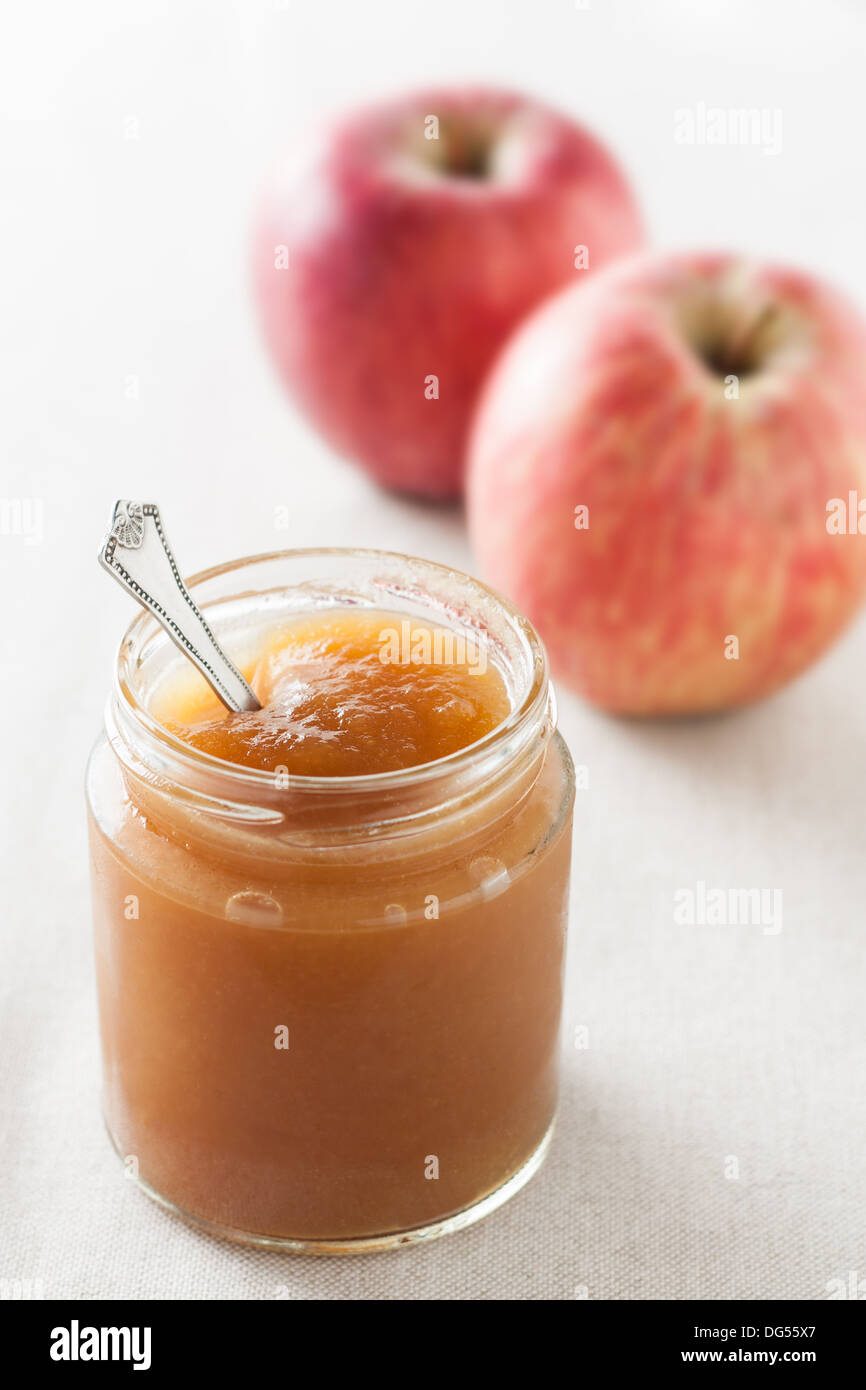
x=349 y=692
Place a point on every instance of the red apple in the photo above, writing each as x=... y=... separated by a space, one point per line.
x=390 y=267
x=652 y=479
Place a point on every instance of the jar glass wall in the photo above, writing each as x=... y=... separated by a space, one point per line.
x=330 y=1006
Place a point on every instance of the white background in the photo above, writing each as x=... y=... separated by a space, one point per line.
x=126 y=258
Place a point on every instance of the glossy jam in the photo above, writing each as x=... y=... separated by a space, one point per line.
x=329 y=1014
x=349 y=693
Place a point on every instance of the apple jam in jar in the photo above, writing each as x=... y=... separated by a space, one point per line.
x=330 y=935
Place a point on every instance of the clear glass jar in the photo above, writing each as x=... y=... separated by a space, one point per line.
x=330 y=1006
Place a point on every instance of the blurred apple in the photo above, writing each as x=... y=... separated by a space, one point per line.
x=394 y=261
x=652 y=474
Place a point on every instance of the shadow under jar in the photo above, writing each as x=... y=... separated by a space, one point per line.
x=330 y=1005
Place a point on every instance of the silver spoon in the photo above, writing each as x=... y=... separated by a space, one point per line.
x=137 y=554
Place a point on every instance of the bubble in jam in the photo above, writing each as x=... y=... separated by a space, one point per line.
x=349 y=692
x=254 y=909
x=490 y=874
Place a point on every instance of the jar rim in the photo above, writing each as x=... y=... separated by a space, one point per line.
x=524 y=716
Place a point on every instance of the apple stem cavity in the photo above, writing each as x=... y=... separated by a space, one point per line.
x=739 y=349
x=743 y=352
x=464 y=150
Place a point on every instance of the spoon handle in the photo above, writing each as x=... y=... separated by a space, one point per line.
x=137 y=554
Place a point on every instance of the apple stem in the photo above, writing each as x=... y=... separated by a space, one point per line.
x=738 y=352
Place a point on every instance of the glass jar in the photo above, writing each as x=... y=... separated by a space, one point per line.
x=330 y=1006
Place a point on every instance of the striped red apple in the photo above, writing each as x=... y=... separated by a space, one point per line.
x=653 y=467
x=396 y=255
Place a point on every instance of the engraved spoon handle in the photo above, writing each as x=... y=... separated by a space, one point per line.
x=137 y=553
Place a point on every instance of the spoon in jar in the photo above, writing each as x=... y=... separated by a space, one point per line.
x=137 y=554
